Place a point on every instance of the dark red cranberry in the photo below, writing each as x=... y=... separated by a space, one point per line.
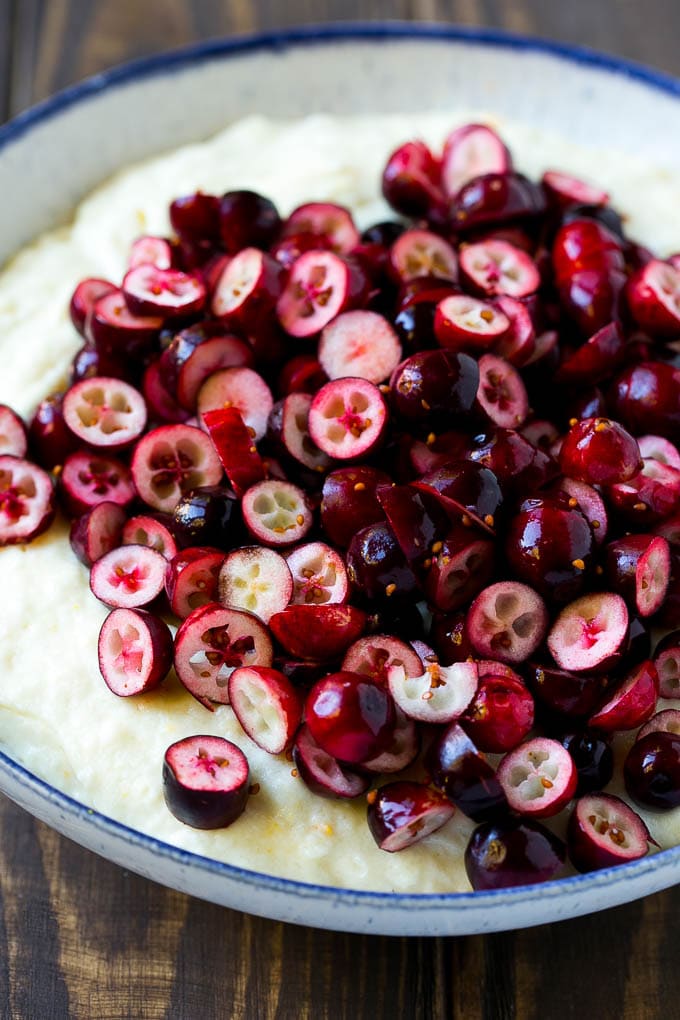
x=411 y=182
x=349 y=502
x=210 y=515
x=500 y=715
x=651 y=771
x=519 y=466
x=599 y=451
x=434 y=387
x=376 y=565
x=450 y=638
x=646 y=398
x=550 y=546
x=384 y=233
x=567 y=694
x=247 y=220
x=50 y=439
x=460 y=770
x=496 y=199
x=196 y=217
x=585 y=245
x=593 y=758
x=350 y=716
x=513 y=852
x=592 y=298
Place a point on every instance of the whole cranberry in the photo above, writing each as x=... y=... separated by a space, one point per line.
x=450 y=639
x=646 y=398
x=247 y=220
x=651 y=771
x=195 y=217
x=549 y=545
x=584 y=244
x=515 y=851
x=351 y=716
x=435 y=387
x=599 y=451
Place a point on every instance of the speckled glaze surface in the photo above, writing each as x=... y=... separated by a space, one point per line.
x=48 y=161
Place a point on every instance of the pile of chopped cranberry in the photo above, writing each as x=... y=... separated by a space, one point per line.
x=414 y=495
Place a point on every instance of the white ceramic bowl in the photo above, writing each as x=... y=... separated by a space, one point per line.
x=52 y=155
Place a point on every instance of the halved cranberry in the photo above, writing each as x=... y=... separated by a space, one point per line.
x=349 y=502
x=460 y=569
x=639 y=567
x=196 y=353
x=350 y=716
x=589 y=501
x=83 y=300
x=13 y=435
x=27 y=503
x=288 y=431
x=247 y=218
x=151 y=530
x=468 y=491
x=376 y=566
x=599 y=451
x=128 y=576
x=359 y=343
x=170 y=461
x=450 y=638
x=317 y=632
x=469 y=151
x=319 y=575
x=667 y=721
x=667 y=662
x=507 y=621
x=501 y=393
x=119 y=332
x=88 y=479
x=410 y=181
x=569 y=694
x=105 y=413
x=97 y=532
x=347 y=418
x=648 y=496
x=205 y=781
x=276 y=513
x=402 y=750
x=322 y=773
x=439 y=695
x=421 y=253
x=565 y=190
x=434 y=387
x=516 y=851
x=646 y=398
x=320 y=286
x=658 y=448
x=496 y=199
x=211 y=643
x=549 y=545
x=150 y=250
x=325 y=219
x=538 y=778
x=247 y=290
x=167 y=293
x=301 y=374
x=135 y=651
x=654 y=298
x=589 y=632
x=497 y=267
x=242 y=388
x=518 y=343
x=604 y=831
x=466 y=323
x=501 y=714
x=255 y=579
x=191 y=579
x=651 y=771
x=632 y=703
x=403 y=813
x=595 y=360
x=461 y=771
x=266 y=705
x=374 y=656
x=207 y=515
x=160 y=403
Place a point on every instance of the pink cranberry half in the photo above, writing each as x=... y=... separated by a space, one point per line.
x=538 y=778
x=507 y=621
x=27 y=503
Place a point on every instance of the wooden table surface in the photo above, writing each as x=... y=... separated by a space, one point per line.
x=82 y=938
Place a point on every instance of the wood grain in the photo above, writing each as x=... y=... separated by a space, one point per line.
x=82 y=938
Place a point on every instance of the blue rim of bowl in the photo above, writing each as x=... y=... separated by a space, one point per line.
x=178 y=60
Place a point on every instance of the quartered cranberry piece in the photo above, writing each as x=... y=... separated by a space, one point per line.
x=27 y=503
x=211 y=643
x=235 y=448
x=205 y=781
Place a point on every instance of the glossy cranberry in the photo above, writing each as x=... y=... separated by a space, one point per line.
x=350 y=716
x=513 y=852
x=247 y=220
x=587 y=403
x=595 y=360
x=418 y=521
x=584 y=244
x=519 y=466
x=605 y=215
x=599 y=451
x=592 y=298
x=550 y=546
x=466 y=488
x=651 y=771
x=88 y=362
x=384 y=233
x=349 y=502
x=301 y=374
x=210 y=515
x=568 y=694
x=604 y=831
x=411 y=182
x=196 y=217
x=460 y=770
x=650 y=496
x=50 y=439
x=450 y=639
x=500 y=715
x=639 y=567
x=414 y=322
x=646 y=398
x=376 y=565
x=593 y=758
x=496 y=199
x=434 y=387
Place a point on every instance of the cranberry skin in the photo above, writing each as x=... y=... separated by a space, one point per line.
x=550 y=548
x=583 y=245
x=500 y=715
x=512 y=852
x=592 y=298
x=350 y=716
x=411 y=181
x=349 y=502
x=651 y=771
x=466 y=487
x=593 y=758
x=384 y=233
x=210 y=515
x=599 y=451
x=434 y=387
x=459 y=770
x=646 y=398
x=376 y=565
x=195 y=218
x=247 y=220
x=496 y=199
x=605 y=215
x=50 y=439
x=450 y=638
x=414 y=323
x=574 y=695
x=519 y=466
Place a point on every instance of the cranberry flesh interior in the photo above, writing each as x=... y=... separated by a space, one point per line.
x=604 y=831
